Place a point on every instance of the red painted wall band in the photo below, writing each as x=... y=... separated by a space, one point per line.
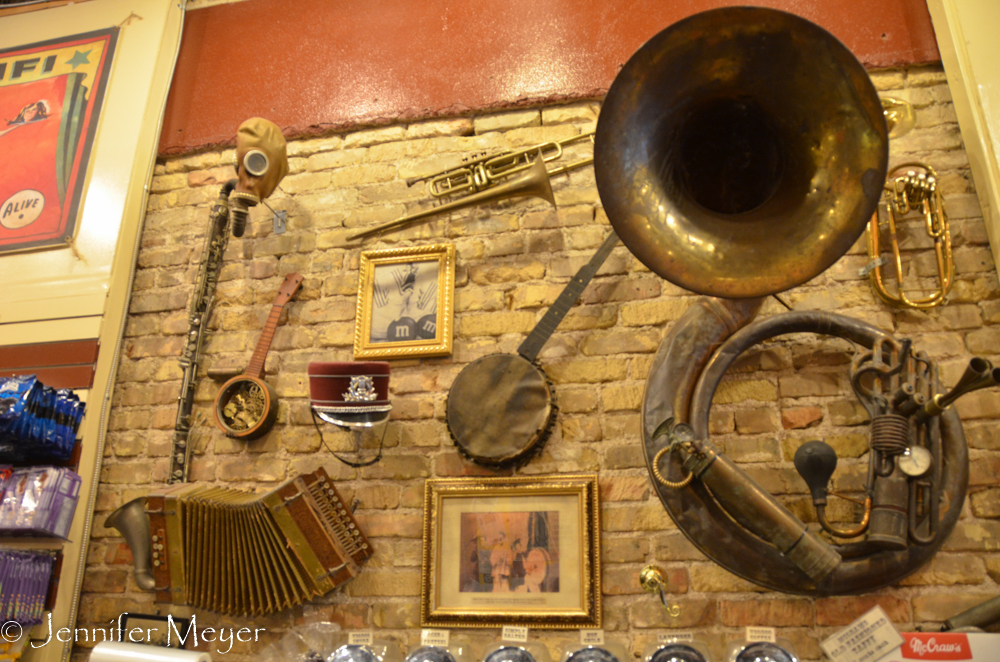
x=313 y=66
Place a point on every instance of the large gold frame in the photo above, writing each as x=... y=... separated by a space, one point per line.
x=576 y=603
x=441 y=343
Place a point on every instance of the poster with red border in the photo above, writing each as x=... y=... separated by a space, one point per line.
x=51 y=94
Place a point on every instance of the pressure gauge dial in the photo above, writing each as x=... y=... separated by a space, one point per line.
x=915 y=461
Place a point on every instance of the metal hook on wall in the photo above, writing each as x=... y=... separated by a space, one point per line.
x=653 y=579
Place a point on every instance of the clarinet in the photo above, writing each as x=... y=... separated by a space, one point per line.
x=201 y=306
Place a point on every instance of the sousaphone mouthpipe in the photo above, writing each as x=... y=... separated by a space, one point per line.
x=760 y=513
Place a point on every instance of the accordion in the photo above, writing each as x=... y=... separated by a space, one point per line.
x=243 y=553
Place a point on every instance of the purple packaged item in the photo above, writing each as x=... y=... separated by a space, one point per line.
x=40 y=501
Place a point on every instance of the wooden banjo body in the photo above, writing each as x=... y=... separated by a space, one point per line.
x=501 y=407
x=246 y=406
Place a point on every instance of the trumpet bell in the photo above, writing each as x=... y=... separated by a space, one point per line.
x=740 y=152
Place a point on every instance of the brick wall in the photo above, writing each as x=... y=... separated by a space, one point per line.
x=513 y=259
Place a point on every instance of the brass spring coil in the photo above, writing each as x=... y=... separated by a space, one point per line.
x=890 y=434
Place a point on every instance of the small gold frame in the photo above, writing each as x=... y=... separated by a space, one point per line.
x=405 y=302
x=520 y=550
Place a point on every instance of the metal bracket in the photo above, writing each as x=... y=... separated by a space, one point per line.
x=280 y=221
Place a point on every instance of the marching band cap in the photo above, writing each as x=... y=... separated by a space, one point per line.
x=350 y=394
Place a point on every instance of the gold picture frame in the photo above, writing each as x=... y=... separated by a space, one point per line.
x=405 y=302
x=511 y=551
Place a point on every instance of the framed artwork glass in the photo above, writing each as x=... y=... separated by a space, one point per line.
x=405 y=302
x=511 y=551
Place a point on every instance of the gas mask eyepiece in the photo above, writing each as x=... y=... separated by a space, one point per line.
x=256 y=162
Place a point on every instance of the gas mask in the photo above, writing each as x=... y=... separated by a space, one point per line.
x=261 y=163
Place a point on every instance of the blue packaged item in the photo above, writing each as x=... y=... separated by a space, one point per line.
x=38 y=424
x=14 y=393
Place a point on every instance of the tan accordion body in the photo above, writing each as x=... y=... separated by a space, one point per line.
x=243 y=553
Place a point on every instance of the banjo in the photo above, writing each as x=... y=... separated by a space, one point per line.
x=246 y=405
x=501 y=407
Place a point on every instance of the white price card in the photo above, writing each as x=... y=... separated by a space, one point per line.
x=518 y=633
x=865 y=640
x=360 y=638
x=435 y=638
x=670 y=637
x=592 y=637
x=760 y=634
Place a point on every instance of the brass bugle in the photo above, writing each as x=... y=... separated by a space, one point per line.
x=911 y=192
x=534 y=182
x=480 y=172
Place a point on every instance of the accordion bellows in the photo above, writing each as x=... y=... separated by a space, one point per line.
x=244 y=553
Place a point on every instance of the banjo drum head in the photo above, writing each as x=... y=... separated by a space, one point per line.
x=499 y=409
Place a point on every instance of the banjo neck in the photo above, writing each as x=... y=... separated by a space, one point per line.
x=567 y=298
x=288 y=289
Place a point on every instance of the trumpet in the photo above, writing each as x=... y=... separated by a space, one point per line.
x=485 y=170
x=489 y=178
x=916 y=192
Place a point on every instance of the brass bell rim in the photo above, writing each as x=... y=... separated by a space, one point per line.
x=831 y=139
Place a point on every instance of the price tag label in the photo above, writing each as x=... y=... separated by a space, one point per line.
x=360 y=638
x=435 y=638
x=867 y=639
x=592 y=637
x=518 y=633
x=760 y=634
x=670 y=637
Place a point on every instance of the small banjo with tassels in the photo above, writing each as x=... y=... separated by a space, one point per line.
x=246 y=405
x=501 y=407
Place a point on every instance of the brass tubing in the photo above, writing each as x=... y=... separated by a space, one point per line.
x=982 y=615
x=535 y=183
x=904 y=194
x=845 y=533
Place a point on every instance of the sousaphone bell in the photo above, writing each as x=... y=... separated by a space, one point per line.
x=740 y=152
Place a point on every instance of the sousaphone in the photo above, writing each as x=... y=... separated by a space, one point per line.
x=739 y=153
